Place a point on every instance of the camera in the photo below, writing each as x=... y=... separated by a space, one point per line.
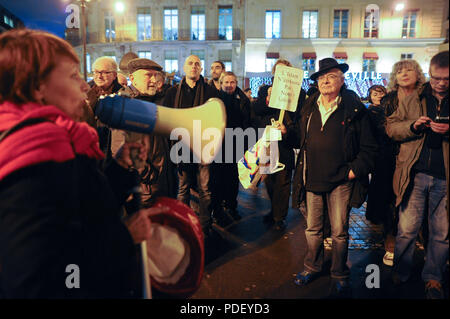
x=441 y=119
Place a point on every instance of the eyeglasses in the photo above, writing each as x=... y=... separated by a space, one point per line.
x=97 y=73
x=328 y=77
x=435 y=79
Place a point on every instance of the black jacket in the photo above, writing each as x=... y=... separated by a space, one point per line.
x=360 y=146
x=56 y=214
x=264 y=114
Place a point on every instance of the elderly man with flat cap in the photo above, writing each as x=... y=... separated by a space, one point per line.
x=337 y=151
x=158 y=175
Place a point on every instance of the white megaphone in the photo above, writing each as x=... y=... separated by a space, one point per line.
x=205 y=124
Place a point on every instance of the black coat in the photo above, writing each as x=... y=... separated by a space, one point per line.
x=360 y=146
x=56 y=214
x=264 y=114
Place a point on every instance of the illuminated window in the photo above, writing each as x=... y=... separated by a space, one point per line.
x=144 y=24
x=409 y=24
x=309 y=65
x=198 y=23
x=88 y=63
x=225 y=23
x=273 y=24
x=145 y=54
x=110 y=27
x=310 y=24
x=226 y=56
x=110 y=54
x=371 y=21
x=369 y=65
x=170 y=24
x=171 y=61
x=270 y=62
x=340 y=25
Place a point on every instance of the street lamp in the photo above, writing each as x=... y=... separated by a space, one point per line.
x=399 y=7
x=84 y=24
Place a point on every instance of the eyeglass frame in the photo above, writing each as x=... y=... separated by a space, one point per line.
x=445 y=80
x=102 y=73
x=333 y=76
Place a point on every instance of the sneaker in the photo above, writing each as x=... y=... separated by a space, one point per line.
x=340 y=288
x=327 y=243
x=388 y=259
x=305 y=277
x=433 y=290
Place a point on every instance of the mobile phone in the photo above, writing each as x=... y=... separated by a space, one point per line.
x=441 y=119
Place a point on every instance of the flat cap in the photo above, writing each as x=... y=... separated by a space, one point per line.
x=143 y=64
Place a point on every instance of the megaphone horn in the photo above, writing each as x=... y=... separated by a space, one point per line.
x=201 y=122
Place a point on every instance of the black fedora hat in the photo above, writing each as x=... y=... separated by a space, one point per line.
x=328 y=64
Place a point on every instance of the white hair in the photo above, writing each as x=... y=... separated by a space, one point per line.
x=112 y=63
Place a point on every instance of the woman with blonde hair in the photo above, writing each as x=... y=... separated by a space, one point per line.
x=406 y=78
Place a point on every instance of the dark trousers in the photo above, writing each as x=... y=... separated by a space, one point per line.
x=279 y=189
x=226 y=184
x=189 y=176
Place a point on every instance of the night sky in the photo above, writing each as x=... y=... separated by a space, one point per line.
x=48 y=15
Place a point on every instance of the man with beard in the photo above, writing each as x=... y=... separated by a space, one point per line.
x=157 y=176
x=217 y=68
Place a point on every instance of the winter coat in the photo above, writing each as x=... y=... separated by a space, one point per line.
x=398 y=127
x=360 y=146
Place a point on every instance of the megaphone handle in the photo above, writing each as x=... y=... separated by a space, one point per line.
x=147 y=291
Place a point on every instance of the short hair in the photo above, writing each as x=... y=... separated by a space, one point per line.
x=440 y=60
x=108 y=59
x=393 y=84
x=227 y=73
x=378 y=88
x=27 y=57
x=280 y=61
x=220 y=62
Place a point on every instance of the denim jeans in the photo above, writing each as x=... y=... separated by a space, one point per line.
x=337 y=202
x=191 y=175
x=425 y=190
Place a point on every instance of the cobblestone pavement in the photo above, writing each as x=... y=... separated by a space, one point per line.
x=249 y=259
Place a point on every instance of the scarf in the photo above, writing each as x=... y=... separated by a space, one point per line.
x=59 y=139
x=199 y=93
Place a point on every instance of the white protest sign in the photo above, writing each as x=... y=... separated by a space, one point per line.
x=286 y=88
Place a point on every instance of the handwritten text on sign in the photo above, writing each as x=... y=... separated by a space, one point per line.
x=286 y=88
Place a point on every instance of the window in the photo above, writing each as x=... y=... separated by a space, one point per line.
x=198 y=23
x=226 y=56
x=270 y=62
x=406 y=56
x=225 y=23
x=309 y=65
x=201 y=56
x=110 y=27
x=273 y=24
x=371 y=21
x=8 y=21
x=110 y=54
x=310 y=24
x=409 y=24
x=171 y=61
x=144 y=24
x=369 y=65
x=171 y=24
x=340 y=25
x=88 y=63
x=145 y=54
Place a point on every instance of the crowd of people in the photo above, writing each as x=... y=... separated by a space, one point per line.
x=65 y=177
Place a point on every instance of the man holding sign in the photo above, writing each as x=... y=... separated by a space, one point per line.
x=337 y=151
x=283 y=96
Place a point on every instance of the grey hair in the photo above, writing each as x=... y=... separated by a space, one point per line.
x=107 y=59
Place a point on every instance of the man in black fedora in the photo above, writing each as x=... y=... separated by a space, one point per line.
x=337 y=151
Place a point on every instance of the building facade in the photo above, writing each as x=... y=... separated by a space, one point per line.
x=8 y=20
x=250 y=35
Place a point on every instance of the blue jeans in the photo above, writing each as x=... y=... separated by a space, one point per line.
x=432 y=191
x=337 y=202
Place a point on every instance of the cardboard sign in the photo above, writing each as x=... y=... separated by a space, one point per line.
x=286 y=88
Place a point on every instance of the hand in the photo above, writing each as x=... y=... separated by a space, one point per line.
x=123 y=155
x=351 y=175
x=440 y=128
x=139 y=224
x=423 y=121
x=280 y=126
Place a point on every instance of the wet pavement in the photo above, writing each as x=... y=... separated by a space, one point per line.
x=251 y=260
